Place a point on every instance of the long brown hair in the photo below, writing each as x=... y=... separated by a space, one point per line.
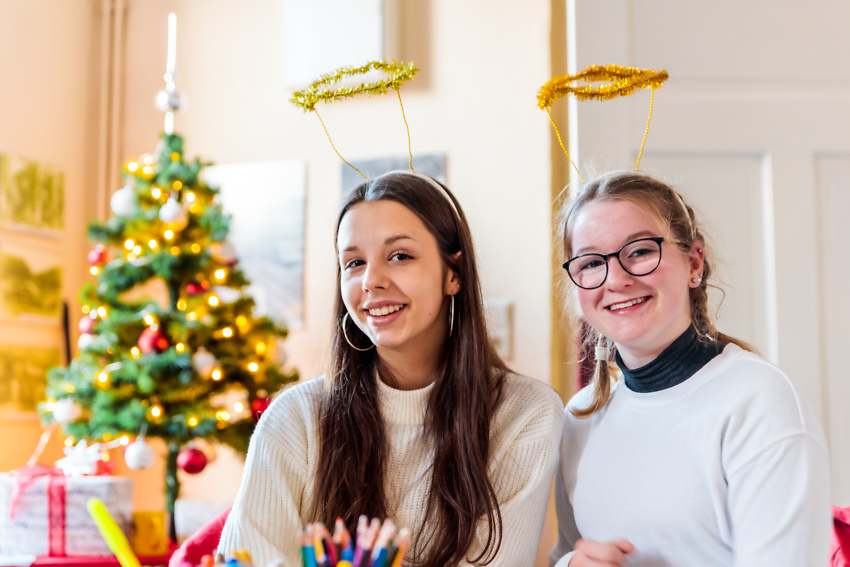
x=666 y=204
x=467 y=390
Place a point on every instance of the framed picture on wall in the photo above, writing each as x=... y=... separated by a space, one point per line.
x=23 y=376
x=30 y=283
x=266 y=202
x=31 y=196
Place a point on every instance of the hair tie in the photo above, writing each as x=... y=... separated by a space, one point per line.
x=602 y=352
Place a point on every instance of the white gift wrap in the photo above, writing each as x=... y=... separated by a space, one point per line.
x=28 y=533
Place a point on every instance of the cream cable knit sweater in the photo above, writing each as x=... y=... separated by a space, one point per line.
x=276 y=495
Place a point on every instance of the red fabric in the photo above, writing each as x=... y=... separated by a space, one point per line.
x=92 y=561
x=202 y=542
x=840 y=543
x=27 y=475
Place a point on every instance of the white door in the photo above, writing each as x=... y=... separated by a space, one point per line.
x=753 y=127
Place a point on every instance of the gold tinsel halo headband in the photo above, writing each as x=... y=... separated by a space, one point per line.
x=620 y=81
x=398 y=72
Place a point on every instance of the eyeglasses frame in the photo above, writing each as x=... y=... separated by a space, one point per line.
x=606 y=257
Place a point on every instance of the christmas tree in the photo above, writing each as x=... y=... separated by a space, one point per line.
x=195 y=365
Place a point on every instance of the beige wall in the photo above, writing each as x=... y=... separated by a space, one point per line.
x=48 y=79
x=474 y=101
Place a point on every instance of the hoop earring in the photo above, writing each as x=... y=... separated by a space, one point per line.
x=344 y=334
x=452 y=316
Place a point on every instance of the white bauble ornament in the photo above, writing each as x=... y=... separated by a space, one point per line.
x=173 y=214
x=67 y=410
x=204 y=363
x=85 y=341
x=123 y=201
x=223 y=252
x=138 y=454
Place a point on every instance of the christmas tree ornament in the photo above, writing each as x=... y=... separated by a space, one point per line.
x=207 y=448
x=204 y=363
x=223 y=252
x=97 y=255
x=191 y=460
x=85 y=341
x=153 y=340
x=67 y=410
x=173 y=214
x=196 y=288
x=226 y=295
x=80 y=459
x=86 y=325
x=106 y=465
x=138 y=455
x=258 y=406
x=123 y=201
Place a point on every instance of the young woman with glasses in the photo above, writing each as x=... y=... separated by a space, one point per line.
x=417 y=419
x=703 y=454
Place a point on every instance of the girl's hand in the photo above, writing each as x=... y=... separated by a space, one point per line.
x=590 y=553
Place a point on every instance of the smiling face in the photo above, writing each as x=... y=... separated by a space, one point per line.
x=393 y=280
x=643 y=315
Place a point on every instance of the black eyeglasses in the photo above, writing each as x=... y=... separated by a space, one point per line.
x=639 y=258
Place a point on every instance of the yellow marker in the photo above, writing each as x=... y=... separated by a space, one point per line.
x=112 y=534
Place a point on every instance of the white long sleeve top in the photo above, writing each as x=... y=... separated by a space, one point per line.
x=275 y=498
x=728 y=468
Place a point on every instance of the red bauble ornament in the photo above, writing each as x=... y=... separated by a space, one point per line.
x=86 y=325
x=151 y=340
x=258 y=406
x=191 y=460
x=96 y=255
x=196 y=288
x=105 y=468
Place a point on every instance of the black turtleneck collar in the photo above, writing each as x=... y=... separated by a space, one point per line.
x=678 y=362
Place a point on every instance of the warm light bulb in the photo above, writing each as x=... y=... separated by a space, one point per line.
x=101 y=311
x=86 y=308
x=94 y=270
x=177 y=185
x=125 y=440
x=69 y=388
x=147 y=160
x=147 y=170
x=174 y=251
x=216 y=374
x=69 y=441
x=222 y=415
x=190 y=196
x=156 y=411
x=149 y=319
x=169 y=234
x=137 y=250
x=102 y=377
x=135 y=352
x=213 y=300
x=261 y=347
x=193 y=421
x=238 y=407
x=105 y=457
x=129 y=244
x=179 y=347
x=181 y=305
x=131 y=257
x=192 y=316
x=196 y=248
x=50 y=405
x=152 y=244
x=253 y=367
x=132 y=166
x=227 y=332
x=194 y=208
x=156 y=192
x=220 y=274
x=175 y=156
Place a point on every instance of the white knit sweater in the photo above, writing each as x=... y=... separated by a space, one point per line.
x=276 y=496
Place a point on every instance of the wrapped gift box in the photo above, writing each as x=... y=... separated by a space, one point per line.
x=30 y=532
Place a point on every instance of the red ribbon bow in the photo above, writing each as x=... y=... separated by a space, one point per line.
x=25 y=477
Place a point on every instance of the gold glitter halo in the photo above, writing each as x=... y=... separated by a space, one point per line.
x=398 y=72
x=620 y=81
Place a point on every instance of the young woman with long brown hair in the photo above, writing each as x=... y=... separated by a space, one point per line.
x=703 y=454
x=417 y=419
